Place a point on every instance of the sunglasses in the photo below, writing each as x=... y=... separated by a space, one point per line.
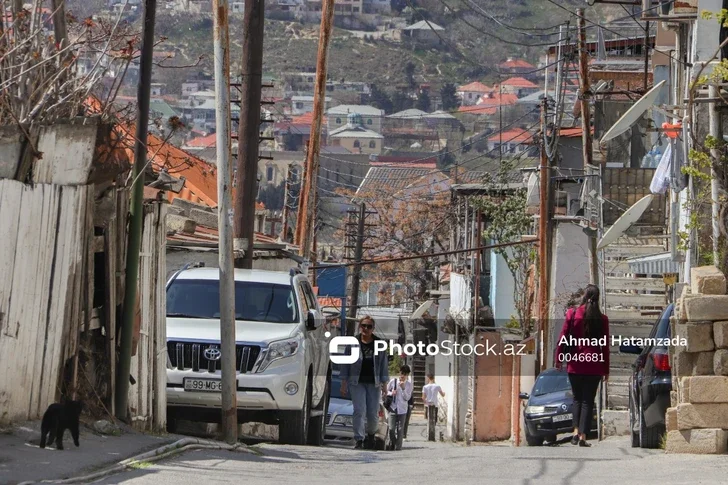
x=367 y=326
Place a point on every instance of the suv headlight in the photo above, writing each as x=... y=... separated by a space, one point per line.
x=535 y=409
x=280 y=349
x=344 y=420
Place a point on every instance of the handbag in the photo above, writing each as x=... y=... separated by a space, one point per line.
x=388 y=399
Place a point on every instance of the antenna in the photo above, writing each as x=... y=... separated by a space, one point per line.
x=631 y=116
x=630 y=216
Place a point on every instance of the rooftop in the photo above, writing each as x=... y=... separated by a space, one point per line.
x=408 y=114
x=354 y=131
x=345 y=109
x=519 y=82
x=512 y=136
x=475 y=87
x=424 y=25
x=515 y=64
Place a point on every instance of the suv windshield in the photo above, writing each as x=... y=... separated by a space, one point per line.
x=259 y=302
x=551 y=382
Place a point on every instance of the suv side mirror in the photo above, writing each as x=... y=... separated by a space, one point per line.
x=311 y=320
x=524 y=396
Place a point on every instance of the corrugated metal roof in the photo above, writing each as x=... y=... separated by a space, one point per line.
x=654 y=264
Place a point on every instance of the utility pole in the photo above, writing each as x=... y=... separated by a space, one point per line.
x=286 y=202
x=306 y=216
x=249 y=133
x=543 y=242
x=224 y=217
x=136 y=211
x=586 y=143
x=356 y=277
x=715 y=132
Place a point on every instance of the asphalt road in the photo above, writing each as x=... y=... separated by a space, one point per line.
x=610 y=462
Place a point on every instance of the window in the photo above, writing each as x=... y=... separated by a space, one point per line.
x=257 y=302
x=356 y=9
x=299 y=105
x=338 y=121
x=372 y=144
x=269 y=173
x=357 y=144
x=295 y=172
x=369 y=121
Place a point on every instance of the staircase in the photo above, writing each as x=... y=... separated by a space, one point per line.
x=419 y=369
x=633 y=303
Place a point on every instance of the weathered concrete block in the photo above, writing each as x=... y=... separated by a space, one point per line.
x=259 y=430
x=707 y=280
x=698 y=336
x=707 y=389
x=706 y=307
x=673 y=398
x=684 y=390
x=697 y=441
x=720 y=334
x=615 y=423
x=204 y=218
x=680 y=304
x=692 y=363
x=691 y=416
x=180 y=224
x=187 y=205
x=720 y=362
x=671 y=419
x=179 y=211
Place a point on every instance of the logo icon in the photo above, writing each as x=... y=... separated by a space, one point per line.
x=563 y=407
x=213 y=353
x=335 y=349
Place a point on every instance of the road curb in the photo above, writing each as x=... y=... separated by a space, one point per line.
x=161 y=453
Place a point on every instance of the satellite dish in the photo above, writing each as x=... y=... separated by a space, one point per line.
x=631 y=216
x=631 y=116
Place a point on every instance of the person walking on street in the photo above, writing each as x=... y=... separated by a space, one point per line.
x=410 y=407
x=429 y=396
x=366 y=379
x=584 y=346
x=401 y=391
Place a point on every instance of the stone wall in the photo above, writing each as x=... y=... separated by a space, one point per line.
x=697 y=422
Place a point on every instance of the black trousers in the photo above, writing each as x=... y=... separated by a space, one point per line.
x=584 y=388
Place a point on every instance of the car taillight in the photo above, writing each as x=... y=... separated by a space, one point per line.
x=662 y=362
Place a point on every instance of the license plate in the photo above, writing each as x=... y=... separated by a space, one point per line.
x=203 y=385
x=563 y=417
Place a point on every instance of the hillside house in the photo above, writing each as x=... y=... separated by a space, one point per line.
x=356 y=138
x=371 y=117
x=516 y=67
x=511 y=142
x=423 y=32
x=304 y=104
x=519 y=86
x=469 y=94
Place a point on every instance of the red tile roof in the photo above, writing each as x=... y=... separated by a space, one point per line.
x=475 y=87
x=519 y=82
x=477 y=110
x=304 y=119
x=512 y=136
x=515 y=64
x=208 y=141
x=494 y=100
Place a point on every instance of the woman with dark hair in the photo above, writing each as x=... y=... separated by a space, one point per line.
x=584 y=347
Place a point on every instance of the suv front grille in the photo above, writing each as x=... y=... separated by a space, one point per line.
x=189 y=355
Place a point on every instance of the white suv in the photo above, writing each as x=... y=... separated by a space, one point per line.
x=283 y=368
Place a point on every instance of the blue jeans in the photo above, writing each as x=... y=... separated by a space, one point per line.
x=365 y=398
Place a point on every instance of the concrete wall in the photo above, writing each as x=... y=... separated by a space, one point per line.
x=569 y=272
x=502 y=287
x=365 y=145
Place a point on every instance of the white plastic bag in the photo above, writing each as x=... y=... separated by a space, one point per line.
x=661 y=180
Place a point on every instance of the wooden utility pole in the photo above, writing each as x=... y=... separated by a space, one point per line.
x=221 y=51
x=286 y=202
x=136 y=221
x=306 y=216
x=249 y=133
x=543 y=243
x=586 y=144
x=356 y=276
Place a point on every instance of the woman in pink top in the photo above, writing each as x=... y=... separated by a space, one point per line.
x=584 y=346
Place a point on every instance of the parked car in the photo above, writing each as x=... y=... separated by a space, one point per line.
x=549 y=408
x=340 y=420
x=650 y=385
x=283 y=374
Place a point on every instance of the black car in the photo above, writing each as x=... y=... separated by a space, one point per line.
x=650 y=385
x=548 y=410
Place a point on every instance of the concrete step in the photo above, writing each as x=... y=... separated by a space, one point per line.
x=615 y=283
x=631 y=315
x=634 y=300
x=621 y=252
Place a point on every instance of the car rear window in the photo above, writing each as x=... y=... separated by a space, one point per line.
x=551 y=382
x=260 y=302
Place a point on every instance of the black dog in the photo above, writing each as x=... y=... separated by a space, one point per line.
x=57 y=419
